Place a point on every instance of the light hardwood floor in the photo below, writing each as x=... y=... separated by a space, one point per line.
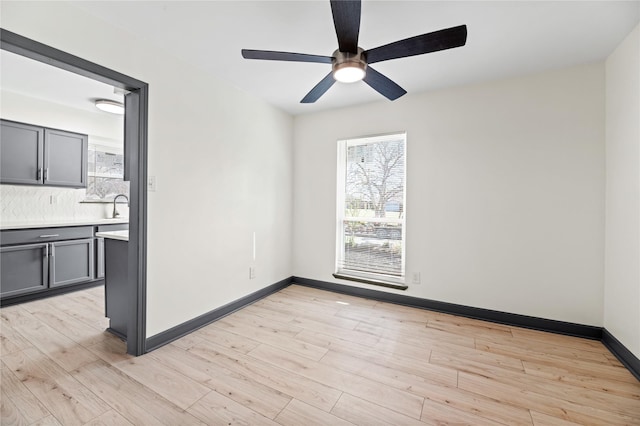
x=305 y=357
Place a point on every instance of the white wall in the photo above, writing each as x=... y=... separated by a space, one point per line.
x=505 y=192
x=222 y=160
x=622 y=260
x=20 y=203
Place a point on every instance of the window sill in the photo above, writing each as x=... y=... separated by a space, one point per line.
x=371 y=281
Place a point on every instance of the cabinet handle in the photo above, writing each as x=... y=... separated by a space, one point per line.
x=46 y=173
x=46 y=250
x=39 y=174
x=49 y=235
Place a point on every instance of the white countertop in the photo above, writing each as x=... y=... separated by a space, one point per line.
x=60 y=222
x=114 y=235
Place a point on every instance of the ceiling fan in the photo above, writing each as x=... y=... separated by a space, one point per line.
x=351 y=63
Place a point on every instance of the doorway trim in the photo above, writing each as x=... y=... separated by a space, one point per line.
x=135 y=147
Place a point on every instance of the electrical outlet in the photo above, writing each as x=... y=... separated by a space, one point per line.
x=252 y=272
x=415 y=278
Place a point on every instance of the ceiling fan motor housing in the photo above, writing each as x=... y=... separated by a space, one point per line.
x=348 y=60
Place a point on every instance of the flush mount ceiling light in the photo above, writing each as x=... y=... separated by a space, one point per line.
x=113 y=107
x=349 y=67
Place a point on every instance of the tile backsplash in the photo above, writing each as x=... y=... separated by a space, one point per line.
x=22 y=203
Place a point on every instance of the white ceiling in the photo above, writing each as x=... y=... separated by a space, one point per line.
x=42 y=81
x=505 y=39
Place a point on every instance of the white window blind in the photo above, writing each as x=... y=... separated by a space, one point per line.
x=371 y=208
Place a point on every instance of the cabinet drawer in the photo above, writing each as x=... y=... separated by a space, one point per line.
x=114 y=227
x=44 y=235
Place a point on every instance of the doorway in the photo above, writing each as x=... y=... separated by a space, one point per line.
x=135 y=157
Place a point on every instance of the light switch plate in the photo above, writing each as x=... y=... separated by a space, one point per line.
x=151 y=183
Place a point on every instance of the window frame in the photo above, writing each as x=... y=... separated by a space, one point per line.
x=376 y=278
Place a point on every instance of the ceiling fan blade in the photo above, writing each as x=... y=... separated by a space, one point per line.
x=346 y=19
x=418 y=45
x=319 y=89
x=383 y=85
x=284 y=56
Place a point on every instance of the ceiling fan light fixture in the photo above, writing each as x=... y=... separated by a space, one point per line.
x=349 y=67
x=349 y=73
x=113 y=107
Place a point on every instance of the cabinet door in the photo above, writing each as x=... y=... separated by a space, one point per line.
x=21 y=153
x=72 y=262
x=65 y=158
x=23 y=269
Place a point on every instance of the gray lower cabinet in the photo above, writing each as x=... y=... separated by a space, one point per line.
x=71 y=262
x=35 y=155
x=24 y=269
x=35 y=260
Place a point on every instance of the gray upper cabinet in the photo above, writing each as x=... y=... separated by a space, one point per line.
x=33 y=155
x=21 y=153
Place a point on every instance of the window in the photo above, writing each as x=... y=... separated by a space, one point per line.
x=106 y=175
x=371 y=210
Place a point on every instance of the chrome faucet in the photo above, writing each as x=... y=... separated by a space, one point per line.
x=115 y=212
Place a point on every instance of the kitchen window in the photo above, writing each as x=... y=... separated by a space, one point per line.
x=105 y=175
x=370 y=225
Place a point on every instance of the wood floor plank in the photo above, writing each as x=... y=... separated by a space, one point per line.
x=471 y=364
x=596 y=384
x=90 y=315
x=532 y=349
x=297 y=413
x=375 y=392
x=419 y=367
x=272 y=334
x=463 y=327
x=424 y=338
x=110 y=418
x=181 y=390
x=111 y=350
x=75 y=330
x=560 y=340
x=227 y=339
x=361 y=412
x=476 y=405
x=64 y=351
x=47 y=421
x=540 y=419
x=135 y=402
x=62 y=395
x=238 y=387
x=388 y=375
x=216 y=409
x=10 y=340
x=575 y=393
x=287 y=382
x=551 y=405
x=438 y=414
x=19 y=404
